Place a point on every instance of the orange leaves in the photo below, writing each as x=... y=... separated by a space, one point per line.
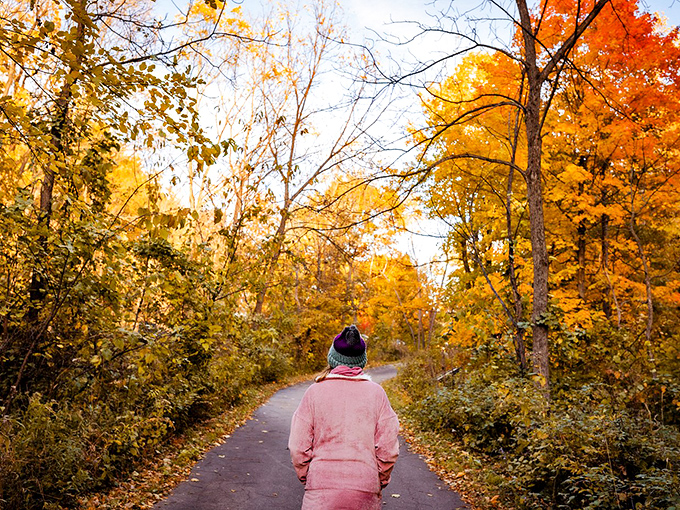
x=575 y=174
x=611 y=163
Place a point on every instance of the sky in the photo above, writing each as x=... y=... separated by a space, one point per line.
x=377 y=14
x=372 y=21
x=368 y=18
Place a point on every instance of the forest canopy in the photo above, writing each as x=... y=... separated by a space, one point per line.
x=192 y=205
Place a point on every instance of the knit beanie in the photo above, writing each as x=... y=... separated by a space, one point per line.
x=348 y=349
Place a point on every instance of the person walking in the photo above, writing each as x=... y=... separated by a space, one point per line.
x=343 y=437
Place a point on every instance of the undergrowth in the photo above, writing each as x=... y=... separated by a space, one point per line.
x=597 y=445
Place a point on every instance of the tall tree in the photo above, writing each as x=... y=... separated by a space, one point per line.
x=609 y=143
x=302 y=145
x=539 y=56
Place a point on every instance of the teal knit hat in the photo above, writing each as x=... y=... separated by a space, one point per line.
x=348 y=349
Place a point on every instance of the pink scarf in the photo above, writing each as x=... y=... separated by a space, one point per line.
x=347 y=371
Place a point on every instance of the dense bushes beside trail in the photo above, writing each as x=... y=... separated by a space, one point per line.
x=152 y=339
x=599 y=446
x=143 y=348
x=53 y=449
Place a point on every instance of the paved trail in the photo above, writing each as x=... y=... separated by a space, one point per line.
x=252 y=469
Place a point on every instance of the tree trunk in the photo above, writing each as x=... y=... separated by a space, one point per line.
x=466 y=261
x=298 y=305
x=581 y=259
x=318 y=266
x=533 y=111
x=408 y=323
x=604 y=249
x=273 y=260
x=648 y=286
x=539 y=251
x=605 y=267
x=431 y=324
x=581 y=242
x=350 y=291
x=420 y=328
x=36 y=289
x=518 y=340
x=57 y=134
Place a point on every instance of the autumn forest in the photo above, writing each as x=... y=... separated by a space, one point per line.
x=193 y=204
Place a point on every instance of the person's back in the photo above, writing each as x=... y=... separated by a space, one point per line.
x=343 y=440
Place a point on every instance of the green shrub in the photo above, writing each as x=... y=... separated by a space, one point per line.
x=120 y=407
x=483 y=415
x=417 y=378
x=265 y=355
x=592 y=452
x=46 y=456
x=596 y=448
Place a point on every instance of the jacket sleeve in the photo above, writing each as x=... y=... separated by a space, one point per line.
x=386 y=443
x=301 y=439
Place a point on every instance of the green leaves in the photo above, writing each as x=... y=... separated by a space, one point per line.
x=595 y=448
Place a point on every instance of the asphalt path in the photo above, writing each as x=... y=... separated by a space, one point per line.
x=251 y=470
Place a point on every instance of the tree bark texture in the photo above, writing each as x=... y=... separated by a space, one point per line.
x=533 y=113
x=648 y=285
x=605 y=267
x=58 y=135
x=520 y=349
x=278 y=240
x=533 y=110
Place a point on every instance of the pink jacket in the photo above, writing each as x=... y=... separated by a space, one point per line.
x=344 y=434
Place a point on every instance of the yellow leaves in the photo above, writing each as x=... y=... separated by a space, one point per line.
x=211 y=15
x=577 y=314
x=580 y=318
x=575 y=174
x=539 y=380
x=615 y=212
x=464 y=337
